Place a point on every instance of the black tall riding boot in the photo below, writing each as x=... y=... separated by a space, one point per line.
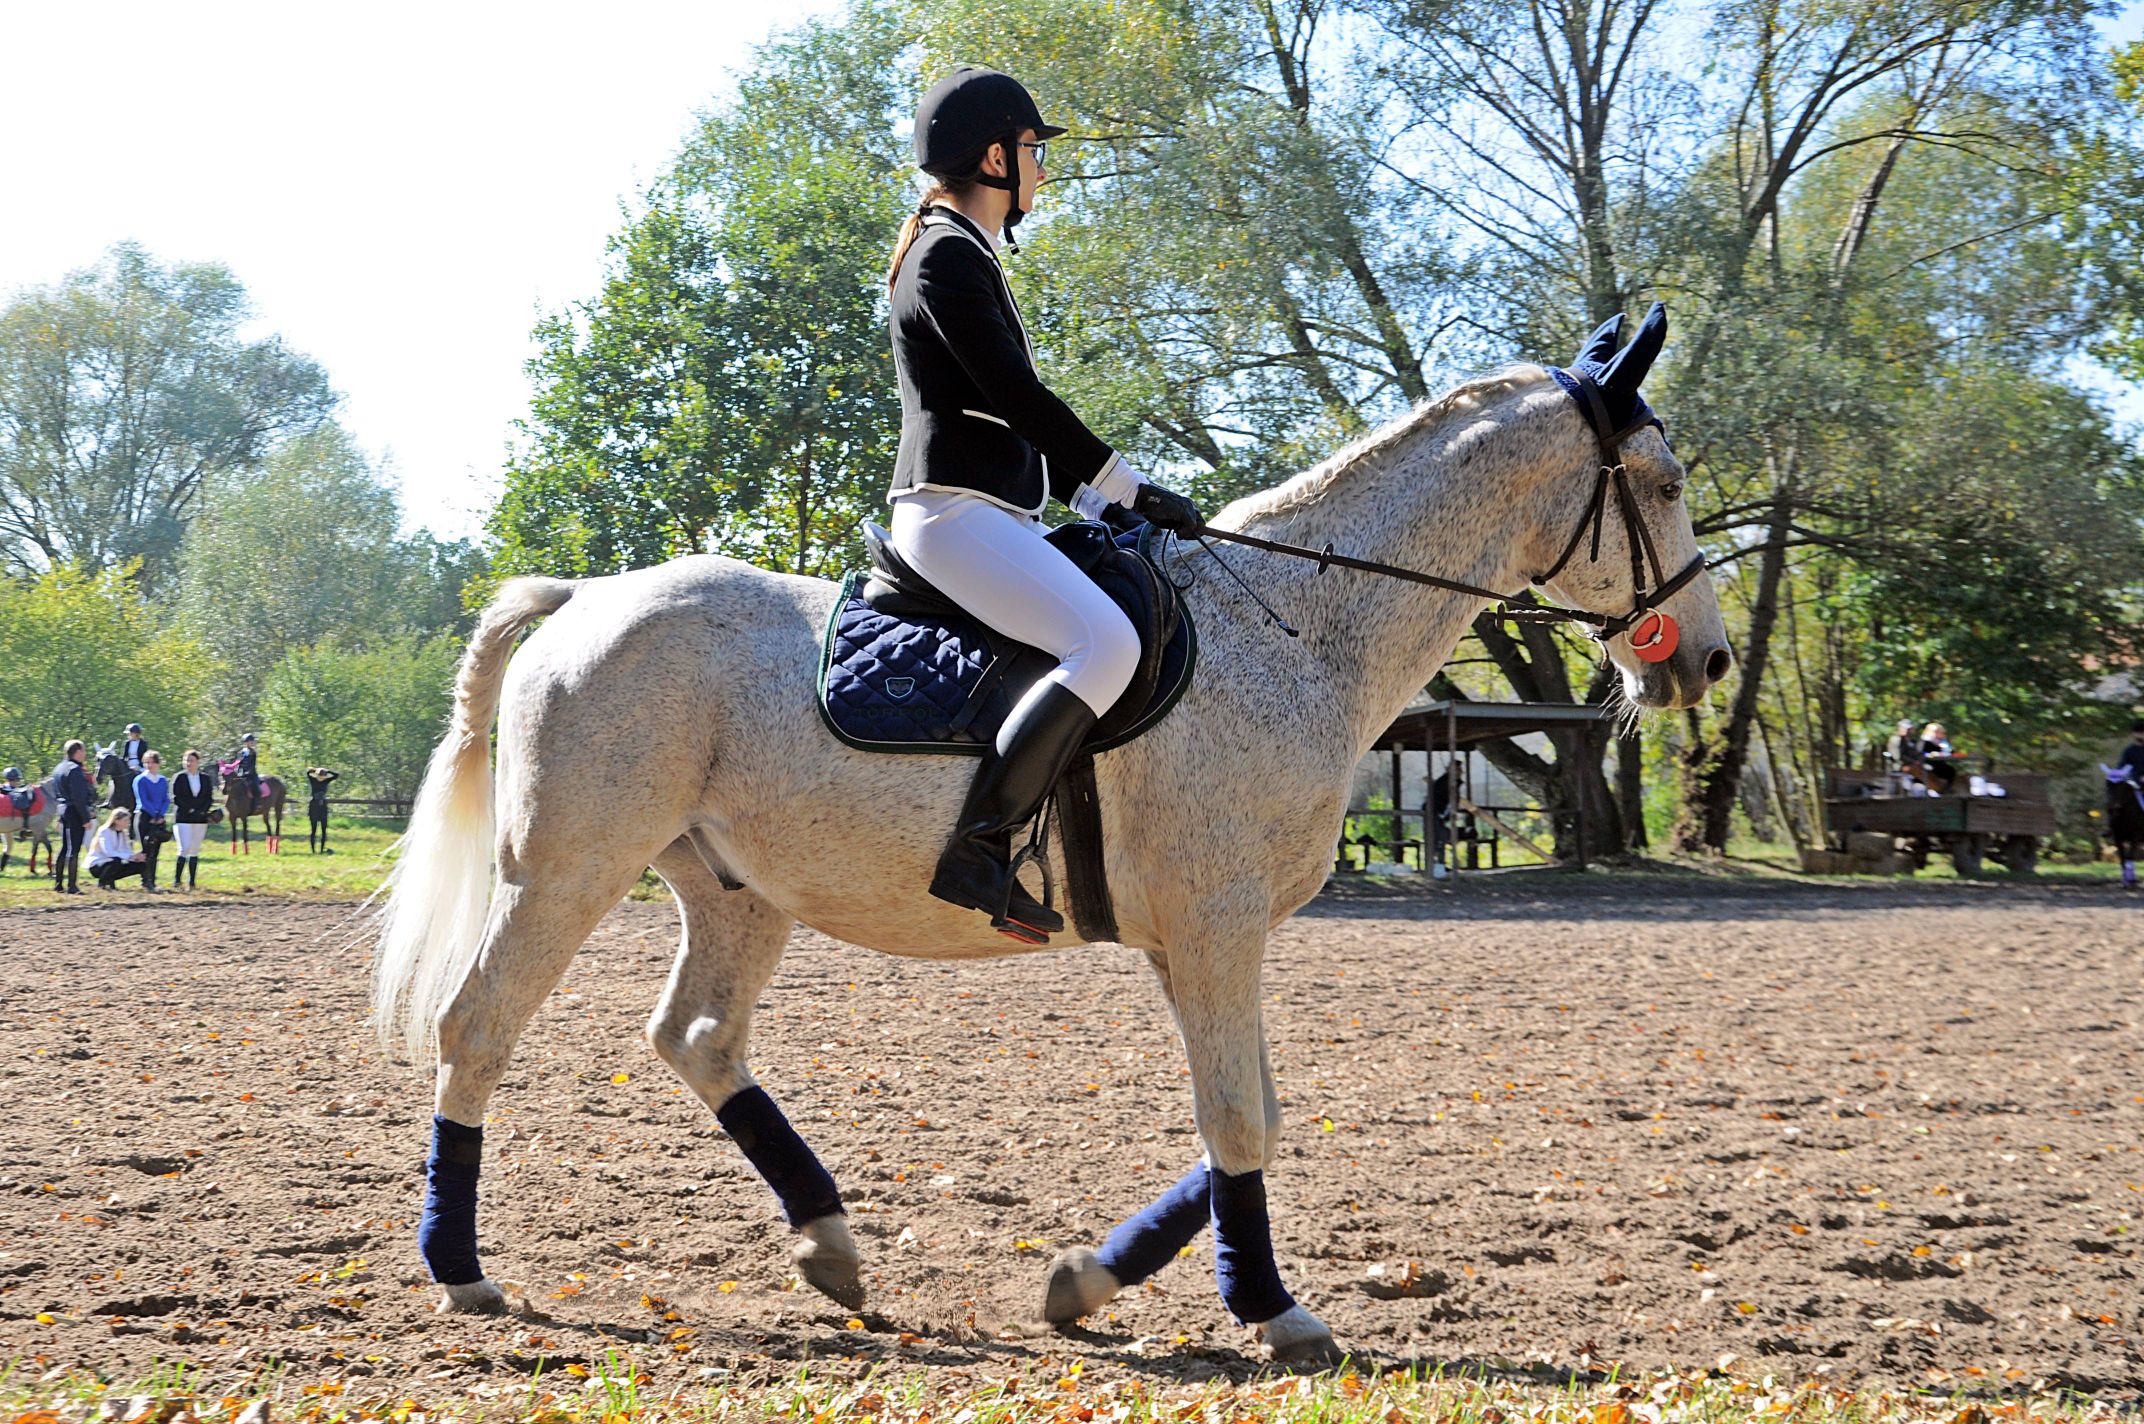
x=1016 y=777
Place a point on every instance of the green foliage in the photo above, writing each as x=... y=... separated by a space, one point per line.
x=1220 y=279
x=124 y=391
x=302 y=550
x=82 y=655
x=730 y=389
x=369 y=712
x=2016 y=543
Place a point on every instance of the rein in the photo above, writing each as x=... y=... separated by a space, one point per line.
x=1660 y=637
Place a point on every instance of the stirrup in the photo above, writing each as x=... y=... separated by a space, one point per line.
x=1036 y=850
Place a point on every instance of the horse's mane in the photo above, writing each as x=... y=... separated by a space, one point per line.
x=1302 y=491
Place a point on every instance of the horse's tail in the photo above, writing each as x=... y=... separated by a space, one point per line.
x=434 y=902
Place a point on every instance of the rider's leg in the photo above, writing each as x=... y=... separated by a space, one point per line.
x=996 y=565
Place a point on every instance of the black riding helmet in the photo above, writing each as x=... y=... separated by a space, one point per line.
x=966 y=112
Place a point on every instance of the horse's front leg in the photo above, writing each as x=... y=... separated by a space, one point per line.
x=1081 y=1280
x=1214 y=965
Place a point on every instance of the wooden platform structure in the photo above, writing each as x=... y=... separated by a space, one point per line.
x=1456 y=727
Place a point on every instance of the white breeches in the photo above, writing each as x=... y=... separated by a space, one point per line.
x=996 y=565
x=189 y=837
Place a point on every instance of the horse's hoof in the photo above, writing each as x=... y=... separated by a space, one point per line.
x=1296 y=1337
x=476 y=1298
x=1076 y=1284
x=829 y=1262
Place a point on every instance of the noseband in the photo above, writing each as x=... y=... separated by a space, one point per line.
x=1653 y=634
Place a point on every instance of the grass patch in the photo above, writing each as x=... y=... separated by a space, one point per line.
x=609 y=1392
x=355 y=863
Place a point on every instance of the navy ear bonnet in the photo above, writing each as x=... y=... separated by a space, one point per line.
x=1615 y=374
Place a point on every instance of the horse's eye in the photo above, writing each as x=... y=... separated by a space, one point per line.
x=1671 y=491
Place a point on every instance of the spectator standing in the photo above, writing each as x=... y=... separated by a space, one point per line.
x=193 y=793
x=316 y=806
x=152 y=810
x=112 y=857
x=78 y=800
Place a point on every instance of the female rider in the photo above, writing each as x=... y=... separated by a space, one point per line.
x=984 y=445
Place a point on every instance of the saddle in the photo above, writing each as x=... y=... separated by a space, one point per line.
x=905 y=669
x=24 y=803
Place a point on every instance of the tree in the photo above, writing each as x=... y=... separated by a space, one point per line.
x=298 y=551
x=126 y=390
x=730 y=388
x=371 y=713
x=83 y=656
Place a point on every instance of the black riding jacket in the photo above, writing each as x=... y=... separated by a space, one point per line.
x=191 y=805
x=78 y=799
x=975 y=416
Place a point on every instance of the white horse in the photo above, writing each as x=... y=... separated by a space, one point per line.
x=1219 y=822
x=36 y=828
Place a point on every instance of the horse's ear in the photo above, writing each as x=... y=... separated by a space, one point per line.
x=1633 y=361
x=1601 y=344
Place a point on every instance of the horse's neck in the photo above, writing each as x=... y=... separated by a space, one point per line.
x=1455 y=496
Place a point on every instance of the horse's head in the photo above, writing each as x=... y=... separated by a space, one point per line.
x=1617 y=528
x=109 y=762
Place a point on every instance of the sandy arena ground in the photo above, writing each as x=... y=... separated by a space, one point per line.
x=1885 y=1130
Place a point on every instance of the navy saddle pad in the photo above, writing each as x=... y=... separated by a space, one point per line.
x=905 y=670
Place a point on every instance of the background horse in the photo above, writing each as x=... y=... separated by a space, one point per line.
x=36 y=827
x=2125 y=821
x=240 y=804
x=113 y=768
x=1218 y=823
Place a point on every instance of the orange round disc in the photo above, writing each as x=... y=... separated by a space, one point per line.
x=1654 y=637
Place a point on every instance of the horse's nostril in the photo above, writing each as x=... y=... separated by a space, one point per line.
x=1717 y=662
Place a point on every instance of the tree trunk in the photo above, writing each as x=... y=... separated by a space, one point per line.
x=1630 y=787
x=1710 y=808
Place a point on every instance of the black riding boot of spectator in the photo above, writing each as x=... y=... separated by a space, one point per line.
x=1016 y=777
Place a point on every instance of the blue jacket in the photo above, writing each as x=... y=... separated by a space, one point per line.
x=78 y=799
x=152 y=795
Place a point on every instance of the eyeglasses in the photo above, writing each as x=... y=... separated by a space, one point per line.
x=1042 y=152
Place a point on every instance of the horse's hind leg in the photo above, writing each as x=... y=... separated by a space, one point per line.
x=732 y=942
x=537 y=922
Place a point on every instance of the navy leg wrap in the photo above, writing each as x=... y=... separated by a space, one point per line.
x=1243 y=1249
x=805 y=1187
x=1150 y=1240
x=447 y=1233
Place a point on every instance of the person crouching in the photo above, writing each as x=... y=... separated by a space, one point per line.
x=112 y=857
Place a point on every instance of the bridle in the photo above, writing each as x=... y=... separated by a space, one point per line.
x=1653 y=634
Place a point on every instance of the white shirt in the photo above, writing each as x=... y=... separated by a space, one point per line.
x=111 y=843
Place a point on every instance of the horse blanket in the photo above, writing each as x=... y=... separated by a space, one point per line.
x=902 y=669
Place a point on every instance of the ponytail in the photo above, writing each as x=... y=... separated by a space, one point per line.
x=944 y=187
x=938 y=192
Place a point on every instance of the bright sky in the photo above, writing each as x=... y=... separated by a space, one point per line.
x=402 y=187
